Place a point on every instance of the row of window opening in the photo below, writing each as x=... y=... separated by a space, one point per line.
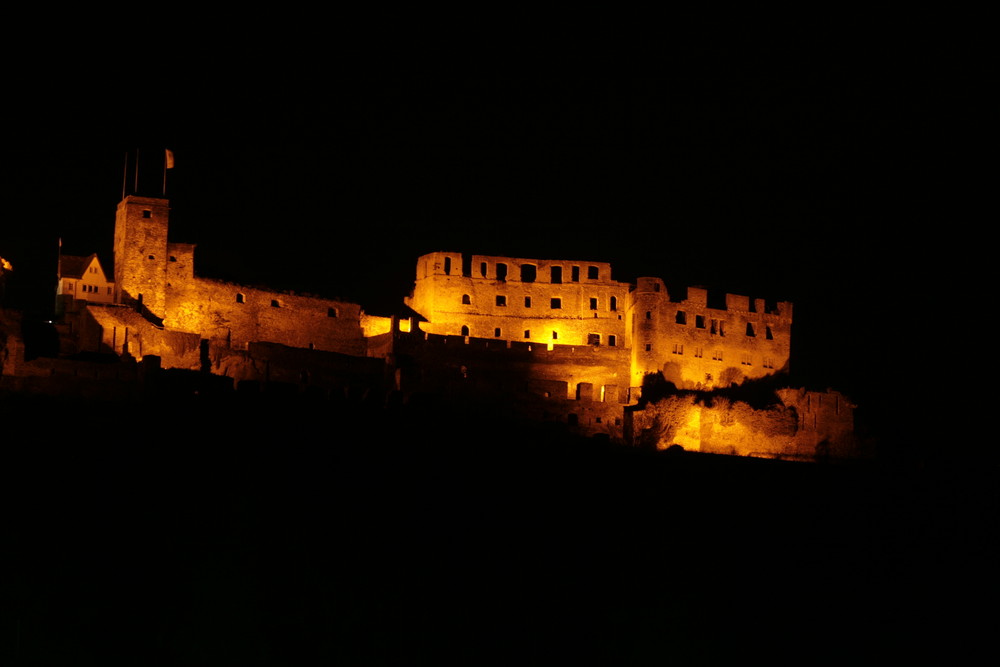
x=555 y=303
x=529 y=272
x=716 y=327
x=592 y=339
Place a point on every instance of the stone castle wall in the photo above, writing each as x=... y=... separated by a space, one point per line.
x=806 y=425
x=240 y=315
x=158 y=278
x=515 y=299
x=698 y=346
x=582 y=387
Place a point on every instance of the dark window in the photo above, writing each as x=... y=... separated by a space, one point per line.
x=768 y=334
x=466 y=300
x=575 y=273
x=527 y=333
x=447 y=265
x=593 y=303
x=556 y=272
x=612 y=340
x=482 y=269
x=593 y=339
x=681 y=317
x=592 y=273
x=556 y=303
x=331 y=312
x=147 y=214
x=501 y=271
x=173 y=259
x=527 y=302
x=496 y=332
x=501 y=300
x=275 y=304
x=151 y=257
x=528 y=273
x=649 y=314
x=240 y=298
x=648 y=347
x=465 y=330
x=750 y=331
x=614 y=303
x=699 y=321
x=555 y=335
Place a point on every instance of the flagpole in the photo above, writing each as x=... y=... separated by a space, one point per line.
x=125 y=175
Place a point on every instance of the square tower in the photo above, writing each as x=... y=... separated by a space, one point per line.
x=141 y=253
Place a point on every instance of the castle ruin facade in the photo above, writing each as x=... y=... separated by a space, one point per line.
x=548 y=340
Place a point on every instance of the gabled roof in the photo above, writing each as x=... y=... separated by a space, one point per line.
x=73 y=266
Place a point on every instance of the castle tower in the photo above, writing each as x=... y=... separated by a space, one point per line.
x=141 y=254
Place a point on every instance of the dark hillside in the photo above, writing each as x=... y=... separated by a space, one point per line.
x=230 y=532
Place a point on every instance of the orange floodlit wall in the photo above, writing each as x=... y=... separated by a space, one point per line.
x=553 y=302
x=701 y=346
x=158 y=277
x=806 y=425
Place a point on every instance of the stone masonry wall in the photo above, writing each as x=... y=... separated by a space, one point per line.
x=697 y=346
x=540 y=301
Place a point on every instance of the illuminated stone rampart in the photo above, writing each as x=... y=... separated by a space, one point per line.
x=693 y=343
x=157 y=278
x=539 y=301
x=806 y=425
x=240 y=315
x=700 y=345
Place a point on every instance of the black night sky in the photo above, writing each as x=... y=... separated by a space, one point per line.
x=791 y=165
x=761 y=169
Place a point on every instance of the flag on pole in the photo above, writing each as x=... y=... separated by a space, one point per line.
x=170 y=159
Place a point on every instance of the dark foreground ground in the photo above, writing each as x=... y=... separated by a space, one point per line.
x=239 y=534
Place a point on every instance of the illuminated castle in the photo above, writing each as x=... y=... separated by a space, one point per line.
x=542 y=340
x=562 y=302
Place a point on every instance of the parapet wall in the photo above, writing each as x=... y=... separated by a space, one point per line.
x=241 y=315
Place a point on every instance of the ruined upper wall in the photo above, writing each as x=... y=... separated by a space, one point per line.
x=698 y=298
x=513 y=269
x=520 y=299
x=696 y=344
